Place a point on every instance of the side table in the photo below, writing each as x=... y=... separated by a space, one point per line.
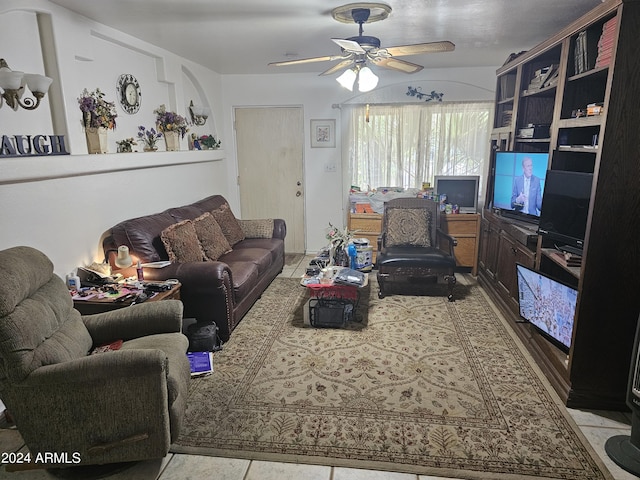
x=105 y=304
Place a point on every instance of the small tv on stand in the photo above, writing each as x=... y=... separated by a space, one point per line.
x=461 y=190
x=518 y=184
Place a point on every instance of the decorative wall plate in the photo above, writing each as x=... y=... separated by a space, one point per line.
x=129 y=94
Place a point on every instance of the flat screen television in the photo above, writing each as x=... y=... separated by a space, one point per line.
x=509 y=195
x=461 y=190
x=565 y=206
x=547 y=304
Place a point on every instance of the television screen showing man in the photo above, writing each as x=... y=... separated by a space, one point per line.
x=526 y=196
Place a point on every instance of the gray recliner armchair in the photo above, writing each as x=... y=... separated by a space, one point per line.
x=118 y=406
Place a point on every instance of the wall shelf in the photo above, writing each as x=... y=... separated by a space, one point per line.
x=33 y=168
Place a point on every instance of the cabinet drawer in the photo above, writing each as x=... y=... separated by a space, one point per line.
x=365 y=225
x=457 y=224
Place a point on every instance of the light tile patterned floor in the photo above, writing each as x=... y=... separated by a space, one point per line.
x=597 y=426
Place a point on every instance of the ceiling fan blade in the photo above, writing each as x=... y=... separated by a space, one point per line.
x=397 y=64
x=418 y=48
x=349 y=45
x=306 y=60
x=338 y=66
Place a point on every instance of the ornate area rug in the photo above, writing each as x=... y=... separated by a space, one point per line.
x=419 y=385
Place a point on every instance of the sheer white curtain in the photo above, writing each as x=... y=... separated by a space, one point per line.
x=405 y=145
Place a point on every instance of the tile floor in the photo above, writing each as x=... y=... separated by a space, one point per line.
x=597 y=426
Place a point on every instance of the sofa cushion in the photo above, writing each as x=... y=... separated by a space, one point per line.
x=211 y=237
x=408 y=226
x=258 y=256
x=210 y=203
x=142 y=236
x=258 y=228
x=187 y=212
x=273 y=245
x=181 y=242
x=229 y=224
x=244 y=276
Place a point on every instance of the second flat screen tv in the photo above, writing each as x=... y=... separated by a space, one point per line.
x=565 y=207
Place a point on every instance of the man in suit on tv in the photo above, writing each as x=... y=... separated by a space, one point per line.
x=526 y=196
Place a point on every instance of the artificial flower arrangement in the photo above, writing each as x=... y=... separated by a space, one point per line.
x=96 y=111
x=209 y=141
x=170 y=121
x=148 y=137
x=339 y=240
x=337 y=237
x=126 y=145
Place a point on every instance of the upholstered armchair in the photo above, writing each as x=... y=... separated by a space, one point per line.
x=412 y=248
x=117 y=406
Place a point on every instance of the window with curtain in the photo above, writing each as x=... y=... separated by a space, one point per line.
x=405 y=145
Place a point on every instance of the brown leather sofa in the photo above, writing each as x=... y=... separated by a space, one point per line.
x=221 y=291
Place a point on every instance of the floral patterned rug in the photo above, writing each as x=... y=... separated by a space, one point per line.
x=418 y=385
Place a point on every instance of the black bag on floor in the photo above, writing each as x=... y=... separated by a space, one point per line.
x=203 y=337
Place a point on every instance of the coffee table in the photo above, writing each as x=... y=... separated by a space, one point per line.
x=94 y=302
x=331 y=304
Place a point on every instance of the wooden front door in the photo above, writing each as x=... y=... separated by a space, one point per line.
x=270 y=149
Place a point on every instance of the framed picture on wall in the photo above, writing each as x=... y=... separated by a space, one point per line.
x=323 y=133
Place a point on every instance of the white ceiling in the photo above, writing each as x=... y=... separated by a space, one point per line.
x=243 y=36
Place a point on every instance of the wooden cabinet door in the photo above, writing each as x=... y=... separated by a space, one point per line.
x=511 y=253
x=488 y=248
x=506 y=265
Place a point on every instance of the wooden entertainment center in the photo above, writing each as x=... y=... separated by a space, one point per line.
x=592 y=110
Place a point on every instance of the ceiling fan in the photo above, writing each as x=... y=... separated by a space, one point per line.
x=363 y=49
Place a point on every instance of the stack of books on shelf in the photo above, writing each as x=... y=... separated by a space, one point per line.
x=542 y=78
x=581 y=62
x=507 y=116
x=606 y=42
x=573 y=260
x=568 y=259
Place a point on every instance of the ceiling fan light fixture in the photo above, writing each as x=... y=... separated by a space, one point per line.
x=347 y=79
x=367 y=80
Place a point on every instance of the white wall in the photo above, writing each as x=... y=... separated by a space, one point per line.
x=322 y=98
x=63 y=205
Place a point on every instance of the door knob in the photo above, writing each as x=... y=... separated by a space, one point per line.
x=298 y=183
x=298 y=193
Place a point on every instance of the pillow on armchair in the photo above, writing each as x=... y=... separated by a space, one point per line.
x=408 y=226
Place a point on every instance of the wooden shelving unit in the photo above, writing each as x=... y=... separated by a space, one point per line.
x=594 y=374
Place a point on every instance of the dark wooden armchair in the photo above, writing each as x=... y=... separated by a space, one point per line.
x=412 y=248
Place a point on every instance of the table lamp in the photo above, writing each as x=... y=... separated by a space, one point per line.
x=123 y=259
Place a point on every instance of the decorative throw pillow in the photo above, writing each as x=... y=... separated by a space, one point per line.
x=229 y=224
x=181 y=242
x=408 y=226
x=211 y=238
x=259 y=228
